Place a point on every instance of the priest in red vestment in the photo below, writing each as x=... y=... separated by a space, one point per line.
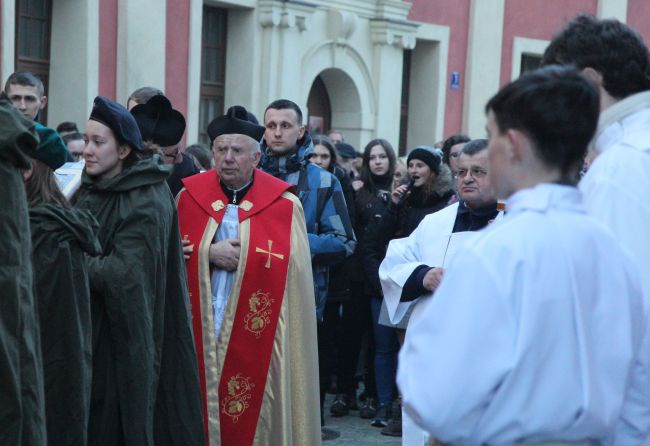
x=252 y=295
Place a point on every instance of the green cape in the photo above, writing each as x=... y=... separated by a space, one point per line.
x=22 y=414
x=60 y=237
x=145 y=375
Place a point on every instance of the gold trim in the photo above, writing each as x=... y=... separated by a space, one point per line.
x=207 y=324
x=218 y=205
x=246 y=205
x=221 y=345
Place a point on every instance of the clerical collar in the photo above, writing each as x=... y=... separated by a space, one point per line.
x=235 y=195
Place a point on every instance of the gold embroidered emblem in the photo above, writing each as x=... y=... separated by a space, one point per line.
x=257 y=319
x=269 y=253
x=218 y=205
x=239 y=393
x=246 y=205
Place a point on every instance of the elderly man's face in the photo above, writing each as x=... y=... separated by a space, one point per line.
x=235 y=158
x=472 y=180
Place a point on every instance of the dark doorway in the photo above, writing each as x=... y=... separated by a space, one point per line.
x=33 y=32
x=319 y=108
x=213 y=67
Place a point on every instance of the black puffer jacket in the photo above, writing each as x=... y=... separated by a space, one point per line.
x=398 y=222
x=370 y=204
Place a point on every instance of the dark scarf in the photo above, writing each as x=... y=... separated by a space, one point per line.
x=474 y=219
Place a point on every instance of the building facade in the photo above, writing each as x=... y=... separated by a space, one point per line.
x=411 y=72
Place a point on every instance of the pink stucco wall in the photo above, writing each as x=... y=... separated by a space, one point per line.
x=638 y=17
x=108 y=49
x=536 y=19
x=455 y=14
x=177 y=53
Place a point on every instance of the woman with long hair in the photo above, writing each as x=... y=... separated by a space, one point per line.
x=61 y=238
x=372 y=196
x=429 y=189
x=145 y=376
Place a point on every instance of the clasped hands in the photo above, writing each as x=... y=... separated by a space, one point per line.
x=223 y=254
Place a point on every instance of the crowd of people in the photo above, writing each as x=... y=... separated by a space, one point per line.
x=476 y=291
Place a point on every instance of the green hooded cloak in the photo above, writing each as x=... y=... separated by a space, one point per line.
x=145 y=386
x=22 y=415
x=60 y=237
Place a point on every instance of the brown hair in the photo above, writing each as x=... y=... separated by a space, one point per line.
x=41 y=187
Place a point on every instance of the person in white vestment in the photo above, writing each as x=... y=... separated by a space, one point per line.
x=615 y=188
x=413 y=266
x=533 y=332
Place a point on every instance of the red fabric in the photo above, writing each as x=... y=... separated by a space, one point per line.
x=194 y=210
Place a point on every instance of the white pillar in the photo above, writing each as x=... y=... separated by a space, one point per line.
x=74 y=61
x=483 y=68
x=428 y=86
x=194 y=71
x=616 y=9
x=7 y=39
x=140 y=46
x=390 y=40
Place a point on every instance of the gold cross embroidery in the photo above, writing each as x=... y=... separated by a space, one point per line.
x=270 y=253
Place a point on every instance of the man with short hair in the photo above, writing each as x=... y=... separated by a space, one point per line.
x=347 y=159
x=533 y=332
x=414 y=265
x=252 y=296
x=66 y=128
x=75 y=145
x=616 y=186
x=336 y=136
x=331 y=237
x=27 y=93
x=141 y=96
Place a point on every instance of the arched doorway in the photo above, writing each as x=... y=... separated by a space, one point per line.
x=334 y=102
x=318 y=108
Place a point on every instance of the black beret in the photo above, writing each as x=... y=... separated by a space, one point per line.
x=119 y=120
x=430 y=156
x=236 y=120
x=159 y=122
x=345 y=150
x=50 y=150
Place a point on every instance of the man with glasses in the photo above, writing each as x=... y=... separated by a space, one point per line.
x=413 y=266
x=75 y=144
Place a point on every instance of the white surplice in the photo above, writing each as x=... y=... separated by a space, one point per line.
x=532 y=333
x=616 y=190
x=221 y=280
x=426 y=245
x=431 y=243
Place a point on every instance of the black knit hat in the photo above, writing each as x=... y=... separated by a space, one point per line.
x=159 y=122
x=345 y=150
x=119 y=120
x=430 y=156
x=235 y=120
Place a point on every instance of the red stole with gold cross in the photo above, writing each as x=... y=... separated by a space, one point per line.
x=246 y=364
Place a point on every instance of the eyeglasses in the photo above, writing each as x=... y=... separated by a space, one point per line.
x=474 y=172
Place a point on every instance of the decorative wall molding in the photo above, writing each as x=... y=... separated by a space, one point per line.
x=287 y=14
x=392 y=32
